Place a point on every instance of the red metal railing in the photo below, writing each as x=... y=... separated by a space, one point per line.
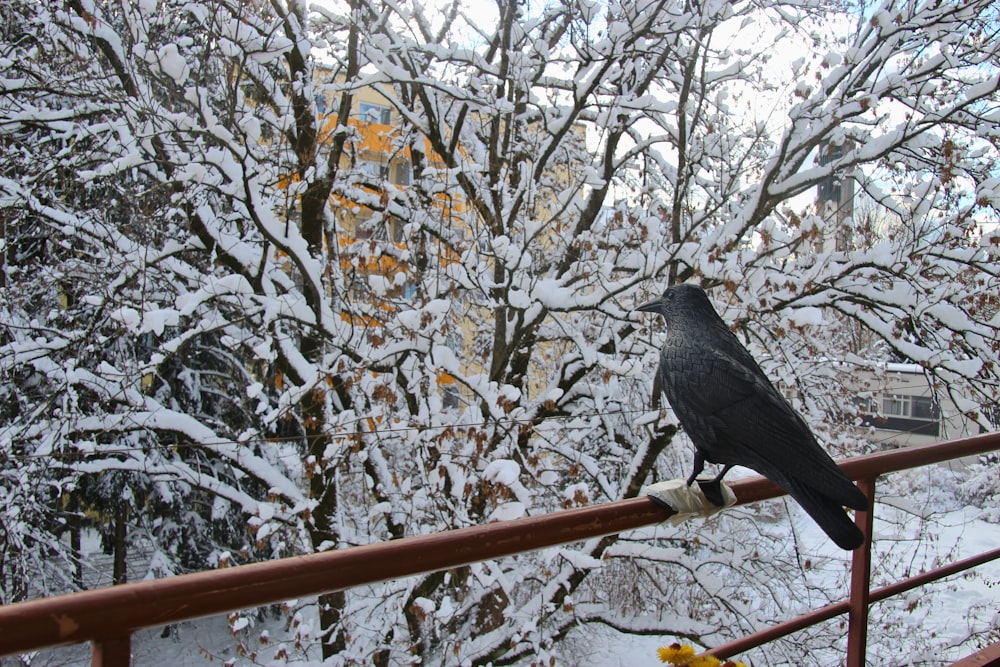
x=107 y=617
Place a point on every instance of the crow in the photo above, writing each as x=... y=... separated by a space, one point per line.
x=735 y=416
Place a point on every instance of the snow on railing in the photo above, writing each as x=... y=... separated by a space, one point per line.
x=107 y=617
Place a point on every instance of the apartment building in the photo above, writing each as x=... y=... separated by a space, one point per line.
x=899 y=408
x=369 y=240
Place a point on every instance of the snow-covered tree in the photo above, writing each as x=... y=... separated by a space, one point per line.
x=219 y=322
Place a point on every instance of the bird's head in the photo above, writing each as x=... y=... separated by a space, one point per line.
x=677 y=299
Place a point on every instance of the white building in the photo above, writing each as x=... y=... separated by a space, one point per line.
x=900 y=409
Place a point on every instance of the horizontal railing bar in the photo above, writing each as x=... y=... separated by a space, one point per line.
x=916 y=456
x=987 y=657
x=933 y=575
x=783 y=629
x=87 y=615
x=118 y=610
x=744 y=644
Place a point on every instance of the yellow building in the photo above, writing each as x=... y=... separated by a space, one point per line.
x=370 y=241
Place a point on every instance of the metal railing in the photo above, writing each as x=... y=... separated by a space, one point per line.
x=107 y=617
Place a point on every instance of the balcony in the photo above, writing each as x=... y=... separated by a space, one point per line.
x=107 y=617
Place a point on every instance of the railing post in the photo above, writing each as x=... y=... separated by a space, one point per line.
x=861 y=572
x=111 y=652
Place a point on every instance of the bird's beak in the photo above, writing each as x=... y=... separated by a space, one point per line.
x=651 y=307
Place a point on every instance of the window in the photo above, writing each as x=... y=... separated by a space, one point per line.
x=866 y=404
x=896 y=405
x=915 y=407
x=402 y=173
x=363 y=227
x=374 y=169
x=450 y=399
x=923 y=408
x=375 y=113
x=396 y=229
x=379 y=228
x=917 y=415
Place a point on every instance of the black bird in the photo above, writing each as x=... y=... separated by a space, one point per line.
x=735 y=416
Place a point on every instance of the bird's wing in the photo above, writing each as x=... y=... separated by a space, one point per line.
x=704 y=380
x=700 y=385
x=736 y=416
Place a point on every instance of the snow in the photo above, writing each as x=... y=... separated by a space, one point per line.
x=502 y=471
x=983 y=89
x=446 y=610
x=425 y=604
x=518 y=299
x=158 y=320
x=223 y=360
x=172 y=63
x=239 y=624
x=507 y=512
x=806 y=316
x=130 y=317
x=579 y=560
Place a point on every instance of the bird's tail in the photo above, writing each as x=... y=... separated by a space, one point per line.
x=829 y=514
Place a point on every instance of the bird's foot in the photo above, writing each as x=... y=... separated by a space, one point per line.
x=712 y=489
x=662 y=502
x=686 y=500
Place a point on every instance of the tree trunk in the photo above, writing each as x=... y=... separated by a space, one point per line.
x=75 y=528
x=119 y=574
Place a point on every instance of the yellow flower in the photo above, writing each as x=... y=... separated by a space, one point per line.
x=675 y=654
x=704 y=661
x=684 y=656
